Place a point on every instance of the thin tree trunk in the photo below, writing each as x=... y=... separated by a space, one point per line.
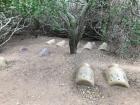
x=72 y=42
x=73 y=48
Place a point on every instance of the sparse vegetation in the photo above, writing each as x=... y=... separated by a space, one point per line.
x=117 y=22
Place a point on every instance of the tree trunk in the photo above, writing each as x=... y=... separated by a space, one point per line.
x=73 y=43
x=73 y=48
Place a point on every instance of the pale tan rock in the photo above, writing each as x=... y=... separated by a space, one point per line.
x=3 y=62
x=88 y=46
x=85 y=75
x=50 y=42
x=116 y=76
x=61 y=43
x=103 y=47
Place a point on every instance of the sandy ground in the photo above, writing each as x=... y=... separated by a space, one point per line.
x=33 y=80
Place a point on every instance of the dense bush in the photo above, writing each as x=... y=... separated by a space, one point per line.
x=10 y=21
x=123 y=28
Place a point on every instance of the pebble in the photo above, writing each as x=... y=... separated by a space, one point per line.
x=90 y=93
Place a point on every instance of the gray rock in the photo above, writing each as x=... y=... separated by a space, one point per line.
x=44 y=52
x=23 y=49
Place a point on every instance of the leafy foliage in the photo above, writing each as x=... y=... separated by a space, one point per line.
x=120 y=27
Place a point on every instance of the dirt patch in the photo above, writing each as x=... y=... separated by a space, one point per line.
x=34 y=80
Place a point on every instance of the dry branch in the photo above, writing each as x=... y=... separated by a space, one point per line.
x=9 y=26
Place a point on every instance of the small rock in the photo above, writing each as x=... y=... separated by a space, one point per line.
x=50 y=42
x=44 y=52
x=3 y=62
x=23 y=49
x=61 y=43
x=88 y=46
x=103 y=46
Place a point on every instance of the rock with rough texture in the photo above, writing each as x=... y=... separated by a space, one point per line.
x=103 y=46
x=44 y=52
x=3 y=62
x=61 y=43
x=88 y=46
x=50 y=42
x=116 y=76
x=85 y=75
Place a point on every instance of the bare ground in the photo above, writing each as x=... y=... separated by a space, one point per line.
x=33 y=80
